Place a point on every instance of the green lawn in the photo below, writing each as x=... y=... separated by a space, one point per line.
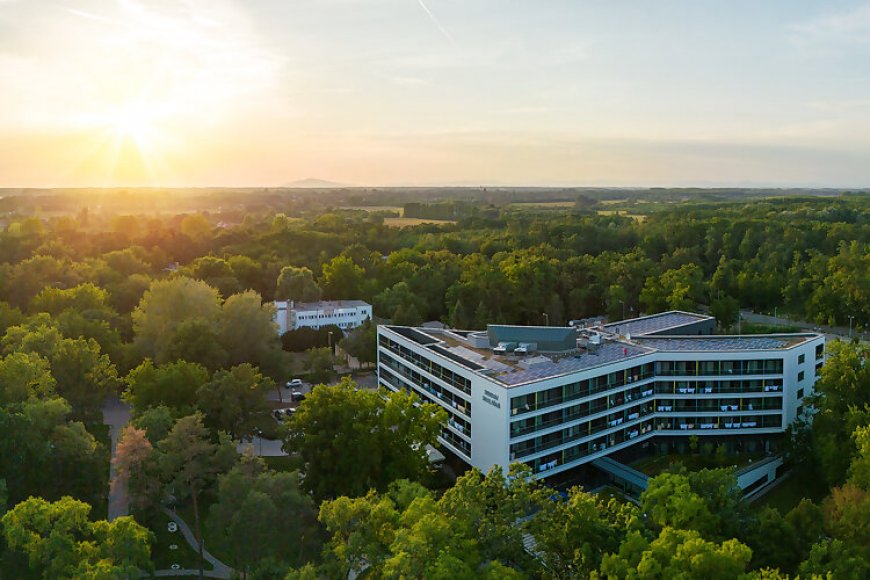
x=656 y=464
x=162 y=554
x=186 y=512
x=787 y=494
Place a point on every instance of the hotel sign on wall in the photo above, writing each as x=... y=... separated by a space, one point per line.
x=491 y=398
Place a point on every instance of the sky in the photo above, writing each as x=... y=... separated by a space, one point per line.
x=434 y=92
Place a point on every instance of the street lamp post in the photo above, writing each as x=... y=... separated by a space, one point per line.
x=331 y=350
x=623 y=308
x=850 y=326
x=546 y=318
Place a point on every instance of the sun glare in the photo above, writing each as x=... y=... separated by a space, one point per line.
x=133 y=123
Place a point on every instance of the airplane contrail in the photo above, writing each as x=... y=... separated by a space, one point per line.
x=435 y=22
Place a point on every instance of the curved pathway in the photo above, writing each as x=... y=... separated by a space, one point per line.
x=220 y=570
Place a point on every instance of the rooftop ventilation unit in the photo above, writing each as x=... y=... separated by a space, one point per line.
x=504 y=347
x=526 y=347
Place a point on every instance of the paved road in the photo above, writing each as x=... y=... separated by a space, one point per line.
x=116 y=414
x=262 y=447
x=830 y=332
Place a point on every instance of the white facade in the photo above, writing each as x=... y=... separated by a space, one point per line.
x=345 y=314
x=509 y=408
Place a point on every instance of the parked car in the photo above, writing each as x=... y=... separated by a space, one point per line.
x=297 y=396
x=294 y=384
x=281 y=414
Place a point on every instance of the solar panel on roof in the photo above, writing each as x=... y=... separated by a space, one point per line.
x=716 y=343
x=654 y=323
x=456 y=358
x=414 y=335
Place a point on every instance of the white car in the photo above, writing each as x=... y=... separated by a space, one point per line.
x=294 y=384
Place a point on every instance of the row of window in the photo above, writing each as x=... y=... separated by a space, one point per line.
x=454 y=421
x=627 y=416
x=333 y=315
x=718 y=405
x=433 y=368
x=551 y=397
x=635 y=431
x=579 y=389
x=457 y=442
x=719 y=367
x=425 y=388
x=564 y=393
x=718 y=387
x=574 y=412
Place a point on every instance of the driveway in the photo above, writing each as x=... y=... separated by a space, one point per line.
x=262 y=447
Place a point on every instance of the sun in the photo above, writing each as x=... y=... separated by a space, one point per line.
x=135 y=145
x=135 y=122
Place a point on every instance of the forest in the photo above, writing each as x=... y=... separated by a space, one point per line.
x=168 y=304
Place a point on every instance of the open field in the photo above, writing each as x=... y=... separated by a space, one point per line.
x=542 y=204
x=404 y=222
x=637 y=217
x=373 y=208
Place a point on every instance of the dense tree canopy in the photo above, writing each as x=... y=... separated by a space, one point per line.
x=179 y=304
x=61 y=542
x=352 y=440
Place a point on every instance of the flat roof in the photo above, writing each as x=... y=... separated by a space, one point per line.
x=655 y=323
x=607 y=353
x=328 y=305
x=714 y=343
x=512 y=370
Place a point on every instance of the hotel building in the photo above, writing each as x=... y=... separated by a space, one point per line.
x=559 y=397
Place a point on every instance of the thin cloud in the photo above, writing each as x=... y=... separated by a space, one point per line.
x=844 y=28
x=435 y=21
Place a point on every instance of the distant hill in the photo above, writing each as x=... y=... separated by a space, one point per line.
x=314 y=183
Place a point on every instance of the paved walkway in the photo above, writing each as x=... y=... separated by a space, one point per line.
x=116 y=414
x=219 y=569
x=262 y=447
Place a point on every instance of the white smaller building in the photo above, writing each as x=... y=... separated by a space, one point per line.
x=345 y=314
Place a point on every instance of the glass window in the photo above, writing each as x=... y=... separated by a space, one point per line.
x=801 y=376
x=802 y=358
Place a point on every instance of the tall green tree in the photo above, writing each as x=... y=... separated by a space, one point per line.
x=353 y=440
x=190 y=462
x=234 y=400
x=172 y=384
x=842 y=393
x=61 y=542
x=166 y=305
x=362 y=343
x=297 y=284
x=263 y=515
x=247 y=328
x=343 y=279
x=676 y=554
